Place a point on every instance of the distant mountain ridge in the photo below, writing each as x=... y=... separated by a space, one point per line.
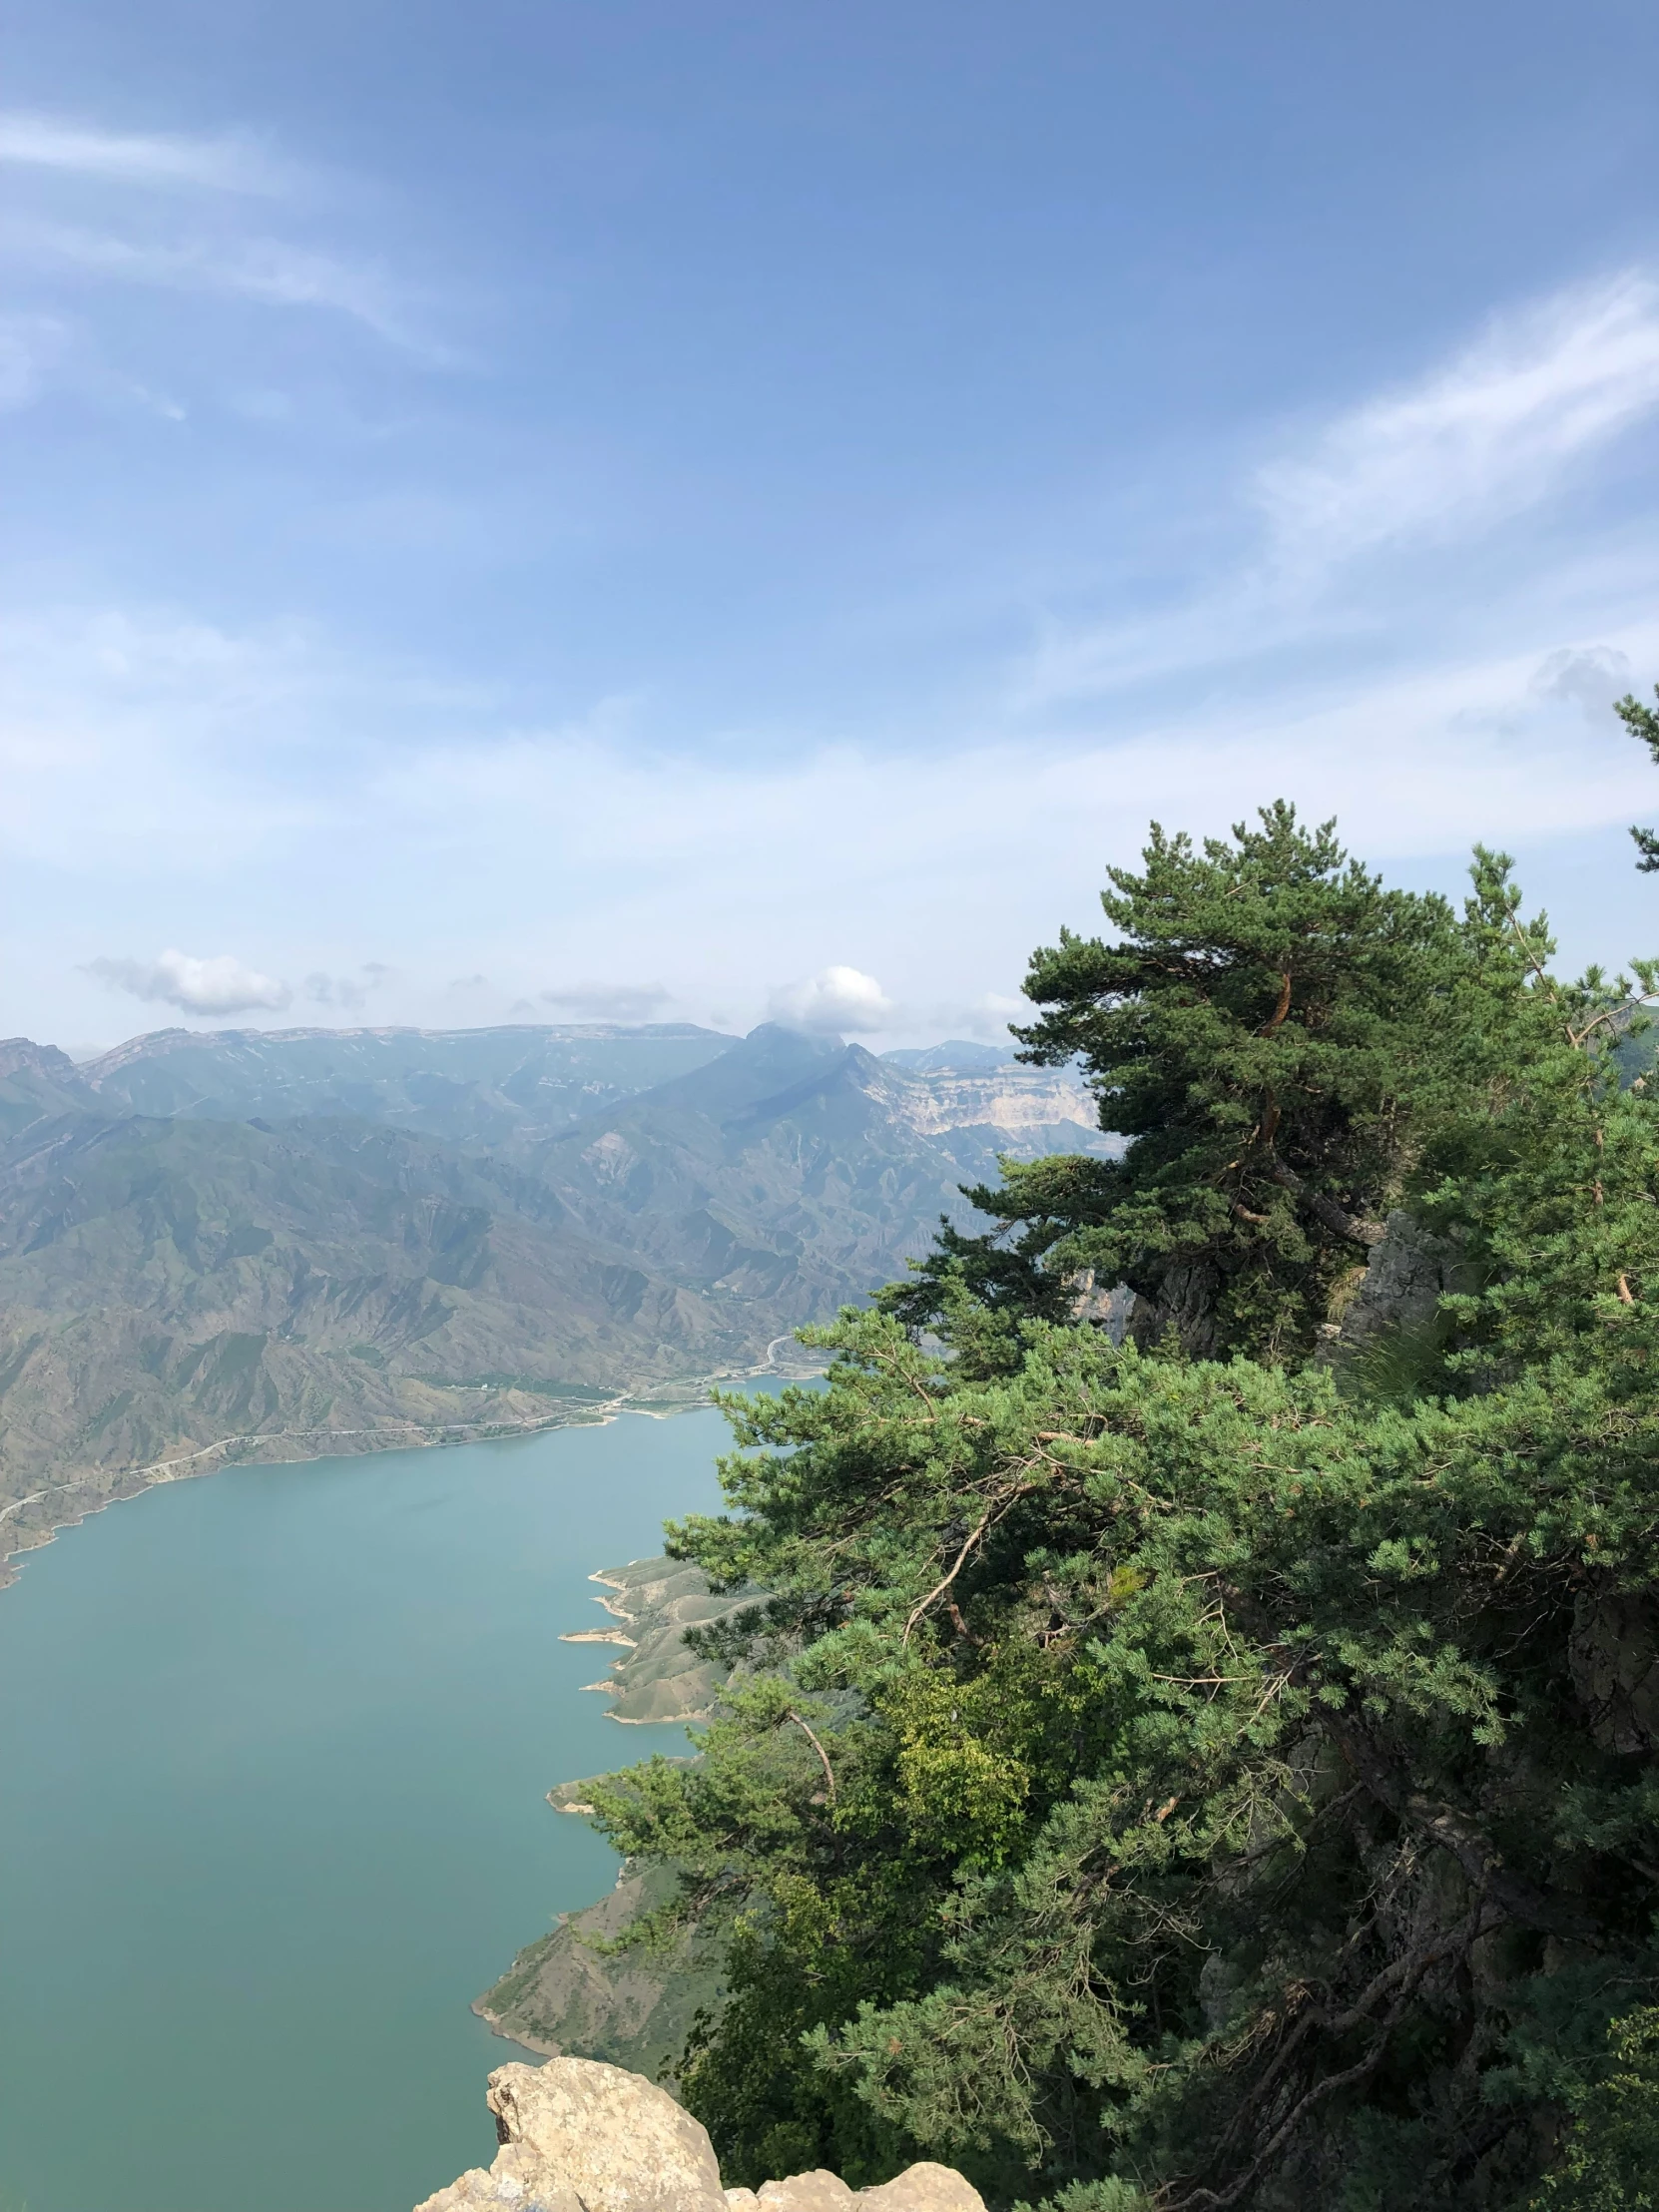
x=468 y=1084
x=955 y=1056
x=321 y=1241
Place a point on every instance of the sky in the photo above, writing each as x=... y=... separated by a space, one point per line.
x=549 y=512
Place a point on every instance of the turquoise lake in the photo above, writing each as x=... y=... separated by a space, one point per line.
x=274 y=1752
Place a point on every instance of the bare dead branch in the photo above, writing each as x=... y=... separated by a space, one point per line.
x=1324 y=1209
x=823 y=1756
x=994 y=1511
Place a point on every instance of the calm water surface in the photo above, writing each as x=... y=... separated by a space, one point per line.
x=274 y=1747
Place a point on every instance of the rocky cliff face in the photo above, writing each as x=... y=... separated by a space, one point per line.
x=578 y=2136
x=1409 y=1272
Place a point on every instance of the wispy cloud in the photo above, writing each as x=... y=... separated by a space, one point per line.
x=1488 y=435
x=607 y=1001
x=1591 y=677
x=231 y=163
x=348 y=994
x=584 y=850
x=207 y=165
x=225 y=215
x=270 y=271
x=146 y=755
x=1344 y=519
x=31 y=346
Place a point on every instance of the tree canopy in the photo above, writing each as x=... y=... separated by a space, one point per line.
x=1263 y=1032
x=1212 y=1770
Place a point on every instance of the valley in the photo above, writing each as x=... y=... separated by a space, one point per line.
x=252 y=1243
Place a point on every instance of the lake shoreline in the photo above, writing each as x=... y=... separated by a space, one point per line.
x=691 y=1393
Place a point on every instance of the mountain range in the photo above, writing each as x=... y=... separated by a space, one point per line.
x=261 y=1244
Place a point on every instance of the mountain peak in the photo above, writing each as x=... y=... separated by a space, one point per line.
x=802 y=1043
x=18 y=1055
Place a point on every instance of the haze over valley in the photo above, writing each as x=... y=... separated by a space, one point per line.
x=280 y=1244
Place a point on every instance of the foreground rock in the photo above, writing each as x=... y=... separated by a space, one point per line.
x=580 y=2137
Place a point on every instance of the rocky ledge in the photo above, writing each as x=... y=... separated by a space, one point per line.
x=579 y=2136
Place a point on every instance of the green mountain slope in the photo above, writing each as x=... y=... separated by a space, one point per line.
x=177 y=1289
x=796 y=1171
x=167 y=1286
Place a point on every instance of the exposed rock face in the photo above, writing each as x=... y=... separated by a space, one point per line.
x=1186 y=1303
x=924 y=2187
x=578 y=2136
x=919 y=2188
x=1409 y=1272
x=1614 y=1656
x=575 y=2133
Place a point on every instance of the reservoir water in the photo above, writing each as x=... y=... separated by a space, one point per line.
x=274 y=1749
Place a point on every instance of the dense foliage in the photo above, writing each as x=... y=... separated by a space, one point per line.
x=1255 y=1031
x=1196 y=1772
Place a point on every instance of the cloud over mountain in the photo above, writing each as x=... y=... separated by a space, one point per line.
x=221 y=985
x=835 y=1000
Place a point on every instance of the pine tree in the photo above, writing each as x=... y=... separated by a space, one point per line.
x=1255 y=1032
x=1213 y=1784
x=1642 y=723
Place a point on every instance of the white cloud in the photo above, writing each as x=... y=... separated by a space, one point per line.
x=76 y=216
x=837 y=999
x=149 y=761
x=1487 y=434
x=222 y=986
x=227 y=163
x=30 y=346
x=151 y=758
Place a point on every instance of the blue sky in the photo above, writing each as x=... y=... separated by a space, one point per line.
x=681 y=512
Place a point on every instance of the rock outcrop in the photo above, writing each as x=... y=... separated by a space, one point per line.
x=579 y=2136
x=1409 y=1272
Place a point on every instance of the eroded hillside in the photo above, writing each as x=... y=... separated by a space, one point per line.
x=441 y=1244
